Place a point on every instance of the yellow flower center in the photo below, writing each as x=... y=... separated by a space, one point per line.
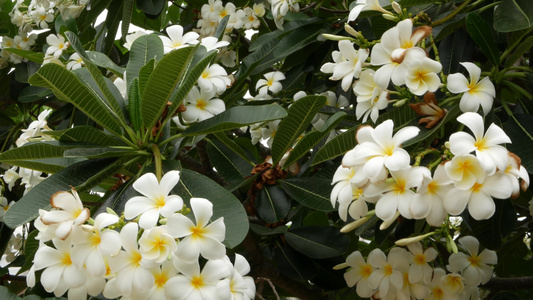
x=95 y=240
x=432 y=187
x=388 y=150
x=366 y=271
x=270 y=82
x=197 y=232
x=387 y=270
x=135 y=258
x=480 y=144
x=205 y=74
x=476 y=187
x=197 y=282
x=201 y=104
x=474 y=261
x=407 y=44
x=400 y=186
x=160 y=279
x=438 y=293
x=420 y=259
x=65 y=260
x=60 y=46
x=160 y=201
x=6 y=207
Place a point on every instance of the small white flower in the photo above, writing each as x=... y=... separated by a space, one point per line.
x=349 y=67
x=176 y=39
x=270 y=83
x=421 y=75
x=370 y=97
x=57 y=45
x=476 y=92
x=387 y=272
x=214 y=77
x=359 y=273
x=201 y=105
x=130 y=38
x=157 y=244
x=212 y=43
x=75 y=62
x=474 y=265
x=365 y=5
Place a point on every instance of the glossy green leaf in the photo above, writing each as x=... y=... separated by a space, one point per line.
x=33 y=93
x=36 y=57
x=151 y=7
x=144 y=75
x=225 y=205
x=318 y=241
x=104 y=61
x=27 y=208
x=513 y=15
x=237 y=117
x=299 y=116
x=100 y=152
x=520 y=131
x=480 y=32
x=127 y=12
x=310 y=192
x=337 y=146
x=262 y=230
x=88 y=134
x=272 y=204
x=231 y=144
x=250 y=62
x=134 y=104
x=228 y=164
x=293 y=264
x=143 y=49
x=298 y=39
x=221 y=28
x=112 y=21
x=6 y=294
x=310 y=139
x=454 y=49
x=67 y=87
x=524 y=46
x=513 y=258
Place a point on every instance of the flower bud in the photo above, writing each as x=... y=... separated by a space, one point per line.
x=354 y=225
x=335 y=37
x=352 y=31
x=390 y=17
x=414 y=239
x=387 y=224
x=400 y=103
x=396 y=6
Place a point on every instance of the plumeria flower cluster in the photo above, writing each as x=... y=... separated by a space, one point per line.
x=153 y=251
x=415 y=273
x=280 y=8
x=379 y=171
x=35 y=15
x=213 y=12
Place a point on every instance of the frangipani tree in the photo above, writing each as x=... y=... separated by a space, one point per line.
x=265 y=149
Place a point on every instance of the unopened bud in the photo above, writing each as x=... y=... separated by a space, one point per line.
x=396 y=6
x=340 y=266
x=354 y=225
x=390 y=17
x=109 y=210
x=352 y=31
x=387 y=224
x=407 y=241
x=335 y=37
x=400 y=103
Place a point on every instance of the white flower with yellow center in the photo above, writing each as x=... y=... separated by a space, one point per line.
x=464 y=171
x=387 y=272
x=237 y=286
x=157 y=244
x=220 y=11
x=201 y=105
x=270 y=83
x=176 y=39
x=370 y=97
x=419 y=269
x=476 y=92
x=200 y=238
x=4 y=206
x=57 y=45
x=155 y=200
x=474 y=265
x=486 y=145
x=440 y=287
x=349 y=67
x=421 y=75
x=214 y=77
x=428 y=204
x=75 y=62
x=359 y=273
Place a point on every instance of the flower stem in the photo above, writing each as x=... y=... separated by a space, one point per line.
x=158 y=165
x=451 y=15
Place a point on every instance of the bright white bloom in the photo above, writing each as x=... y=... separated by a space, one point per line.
x=161 y=275
x=259 y=9
x=196 y=284
x=464 y=170
x=214 y=77
x=35 y=129
x=4 y=206
x=387 y=272
x=208 y=8
x=270 y=83
x=201 y=238
x=476 y=92
x=212 y=43
x=349 y=66
x=61 y=270
x=220 y=11
x=69 y=213
x=280 y=8
x=157 y=244
x=155 y=200
x=378 y=149
x=237 y=286
x=10 y=177
x=428 y=204
x=228 y=57
x=490 y=153
x=474 y=265
x=370 y=97
x=268 y=132
x=421 y=75
x=359 y=273
x=130 y=38
x=176 y=39
x=201 y=105
x=75 y=62
x=121 y=86
x=42 y=16
x=57 y=45
x=30 y=178
x=365 y=5
x=419 y=269
x=440 y=289
x=251 y=20
x=236 y=20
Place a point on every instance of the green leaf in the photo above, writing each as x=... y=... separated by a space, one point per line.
x=272 y=204
x=425 y=133
x=27 y=208
x=127 y=12
x=144 y=75
x=262 y=230
x=88 y=134
x=310 y=139
x=100 y=152
x=337 y=146
x=33 y=93
x=250 y=62
x=228 y=164
x=36 y=57
x=298 y=39
x=524 y=46
x=225 y=204
x=236 y=117
x=512 y=15
x=112 y=21
x=151 y=7
x=134 y=104
x=67 y=87
x=310 y=192
x=293 y=264
x=221 y=28
x=143 y=49
x=30 y=247
x=480 y=32
x=221 y=136
x=454 y=49
x=520 y=131
x=299 y=116
x=318 y=241
x=103 y=61
x=6 y=294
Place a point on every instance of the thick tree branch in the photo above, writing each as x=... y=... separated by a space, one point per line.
x=513 y=283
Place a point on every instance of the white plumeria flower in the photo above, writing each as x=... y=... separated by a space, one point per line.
x=370 y=97
x=237 y=286
x=201 y=105
x=42 y=16
x=157 y=244
x=270 y=83
x=479 y=197
x=208 y=8
x=121 y=86
x=57 y=45
x=259 y=9
x=378 y=149
x=214 y=77
x=10 y=177
x=161 y=275
x=207 y=27
x=358 y=274
x=61 y=270
x=428 y=204
x=268 y=132
x=387 y=272
x=35 y=129
x=439 y=289
x=474 y=265
x=155 y=200
x=228 y=57
x=4 y=206
x=486 y=145
x=220 y=11
x=365 y=5
x=280 y=8
x=75 y=62
x=348 y=68
x=236 y=20
x=514 y=171
x=93 y=243
x=131 y=268
x=465 y=171
x=251 y=20
x=212 y=43
x=476 y=92
x=195 y=284
x=202 y=238
x=130 y=38
x=419 y=269
x=421 y=75
x=69 y=213
x=176 y=39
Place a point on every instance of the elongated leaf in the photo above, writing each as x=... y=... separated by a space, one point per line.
x=261 y=230
x=337 y=146
x=67 y=87
x=272 y=204
x=88 y=134
x=167 y=75
x=99 y=152
x=219 y=33
x=127 y=12
x=36 y=57
x=144 y=75
x=112 y=21
x=38 y=150
x=228 y=164
x=299 y=116
x=519 y=51
x=512 y=15
x=233 y=146
x=33 y=93
x=27 y=208
x=225 y=204
x=455 y=49
x=237 y=117
x=310 y=139
x=293 y=264
x=480 y=32
x=134 y=104
x=298 y=39
x=6 y=294
x=103 y=61
x=142 y=51
x=310 y=192
x=318 y=241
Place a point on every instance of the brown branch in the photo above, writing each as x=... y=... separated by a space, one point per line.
x=513 y=283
